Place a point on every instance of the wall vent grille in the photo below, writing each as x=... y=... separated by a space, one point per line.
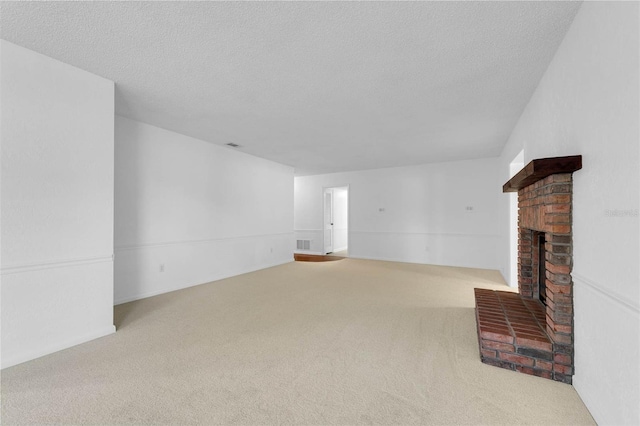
x=303 y=244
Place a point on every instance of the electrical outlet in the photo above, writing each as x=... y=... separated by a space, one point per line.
x=469 y=209
x=162 y=267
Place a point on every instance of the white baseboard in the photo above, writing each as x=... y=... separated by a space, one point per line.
x=182 y=287
x=30 y=355
x=464 y=250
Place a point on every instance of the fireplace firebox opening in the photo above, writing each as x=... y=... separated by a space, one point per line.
x=542 y=270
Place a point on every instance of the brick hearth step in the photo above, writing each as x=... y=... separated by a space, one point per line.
x=512 y=333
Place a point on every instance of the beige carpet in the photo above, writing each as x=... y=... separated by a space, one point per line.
x=347 y=342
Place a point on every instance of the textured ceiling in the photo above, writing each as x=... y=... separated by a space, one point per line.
x=323 y=87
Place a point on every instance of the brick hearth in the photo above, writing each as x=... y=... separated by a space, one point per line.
x=511 y=331
x=532 y=331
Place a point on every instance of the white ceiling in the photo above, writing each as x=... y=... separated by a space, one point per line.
x=324 y=87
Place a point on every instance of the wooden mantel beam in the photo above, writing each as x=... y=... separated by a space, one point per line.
x=540 y=169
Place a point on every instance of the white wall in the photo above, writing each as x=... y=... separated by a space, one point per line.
x=587 y=103
x=56 y=206
x=203 y=211
x=411 y=214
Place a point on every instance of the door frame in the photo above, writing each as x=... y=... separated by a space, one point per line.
x=348 y=188
x=512 y=274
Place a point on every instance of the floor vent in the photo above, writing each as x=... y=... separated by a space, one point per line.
x=303 y=244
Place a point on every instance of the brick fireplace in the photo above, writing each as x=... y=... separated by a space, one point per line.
x=532 y=331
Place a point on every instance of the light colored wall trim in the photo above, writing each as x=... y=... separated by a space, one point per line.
x=386 y=259
x=609 y=294
x=189 y=242
x=307 y=230
x=394 y=259
x=27 y=356
x=64 y=263
x=444 y=234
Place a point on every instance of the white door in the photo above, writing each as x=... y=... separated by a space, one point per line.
x=328 y=221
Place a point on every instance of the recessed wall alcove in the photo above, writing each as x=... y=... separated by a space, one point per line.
x=532 y=331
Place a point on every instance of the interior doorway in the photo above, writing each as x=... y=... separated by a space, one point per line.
x=336 y=220
x=514 y=167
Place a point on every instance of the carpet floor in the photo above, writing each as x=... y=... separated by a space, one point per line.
x=346 y=342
